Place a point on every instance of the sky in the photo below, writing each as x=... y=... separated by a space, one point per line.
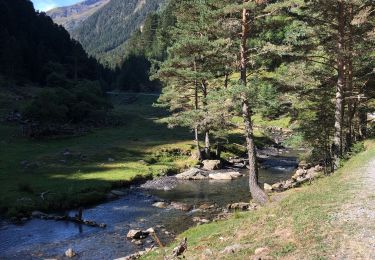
x=45 y=5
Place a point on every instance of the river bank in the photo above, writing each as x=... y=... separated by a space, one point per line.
x=300 y=223
x=45 y=238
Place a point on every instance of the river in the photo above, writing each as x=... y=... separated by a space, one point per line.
x=41 y=239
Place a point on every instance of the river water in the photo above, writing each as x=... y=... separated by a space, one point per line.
x=41 y=239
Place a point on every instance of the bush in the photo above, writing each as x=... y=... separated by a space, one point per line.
x=82 y=102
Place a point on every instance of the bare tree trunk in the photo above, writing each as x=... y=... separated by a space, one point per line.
x=339 y=110
x=207 y=146
x=350 y=100
x=196 y=130
x=226 y=80
x=256 y=192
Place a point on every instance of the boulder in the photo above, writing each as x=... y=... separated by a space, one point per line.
x=70 y=253
x=318 y=168
x=192 y=174
x=312 y=174
x=267 y=187
x=224 y=175
x=180 y=206
x=278 y=186
x=299 y=173
x=150 y=231
x=211 y=165
x=136 y=234
x=288 y=184
x=301 y=180
x=160 y=205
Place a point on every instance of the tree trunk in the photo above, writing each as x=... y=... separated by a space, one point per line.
x=339 y=109
x=256 y=192
x=207 y=145
x=196 y=130
x=350 y=94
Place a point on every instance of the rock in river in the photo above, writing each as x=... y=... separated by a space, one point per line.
x=192 y=174
x=160 y=205
x=181 y=206
x=224 y=175
x=70 y=253
x=267 y=187
x=136 y=234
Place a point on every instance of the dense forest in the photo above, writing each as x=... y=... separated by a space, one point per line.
x=35 y=51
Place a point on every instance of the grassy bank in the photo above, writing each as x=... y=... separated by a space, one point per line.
x=81 y=170
x=296 y=225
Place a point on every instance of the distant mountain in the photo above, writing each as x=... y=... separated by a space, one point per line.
x=104 y=33
x=72 y=16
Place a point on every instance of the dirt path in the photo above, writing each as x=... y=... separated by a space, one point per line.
x=357 y=219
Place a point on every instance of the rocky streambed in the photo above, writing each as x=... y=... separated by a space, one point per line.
x=168 y=205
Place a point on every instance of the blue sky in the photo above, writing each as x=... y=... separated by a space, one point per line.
x=45 y=5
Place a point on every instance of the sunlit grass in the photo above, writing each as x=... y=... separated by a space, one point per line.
x=297 y=227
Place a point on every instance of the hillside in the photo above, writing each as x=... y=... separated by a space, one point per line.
x=72 y=16
x=32 y=47
x=111 y=26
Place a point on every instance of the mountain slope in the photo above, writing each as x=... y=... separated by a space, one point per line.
x=72 y=16
x=112 y=25
x=32 y=46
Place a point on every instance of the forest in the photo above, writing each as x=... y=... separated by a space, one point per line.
x=242 y=128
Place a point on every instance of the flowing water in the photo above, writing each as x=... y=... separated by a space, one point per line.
x=40 y=239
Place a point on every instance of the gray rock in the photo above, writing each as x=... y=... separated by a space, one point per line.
x=288 y=184
x=37 y=214
x=312 y=174
x=180 y=206
x=70 y=253
x=192 y=174
x=299 y=173
x=149 y=231
x=267 y=187
x=224 y=175
x=211 y=165
x=160 y=205
x=136 y=234
x=278 y=186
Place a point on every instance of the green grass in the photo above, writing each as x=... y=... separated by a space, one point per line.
x=298 y=225
x=142 y=146
x=30 y=167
